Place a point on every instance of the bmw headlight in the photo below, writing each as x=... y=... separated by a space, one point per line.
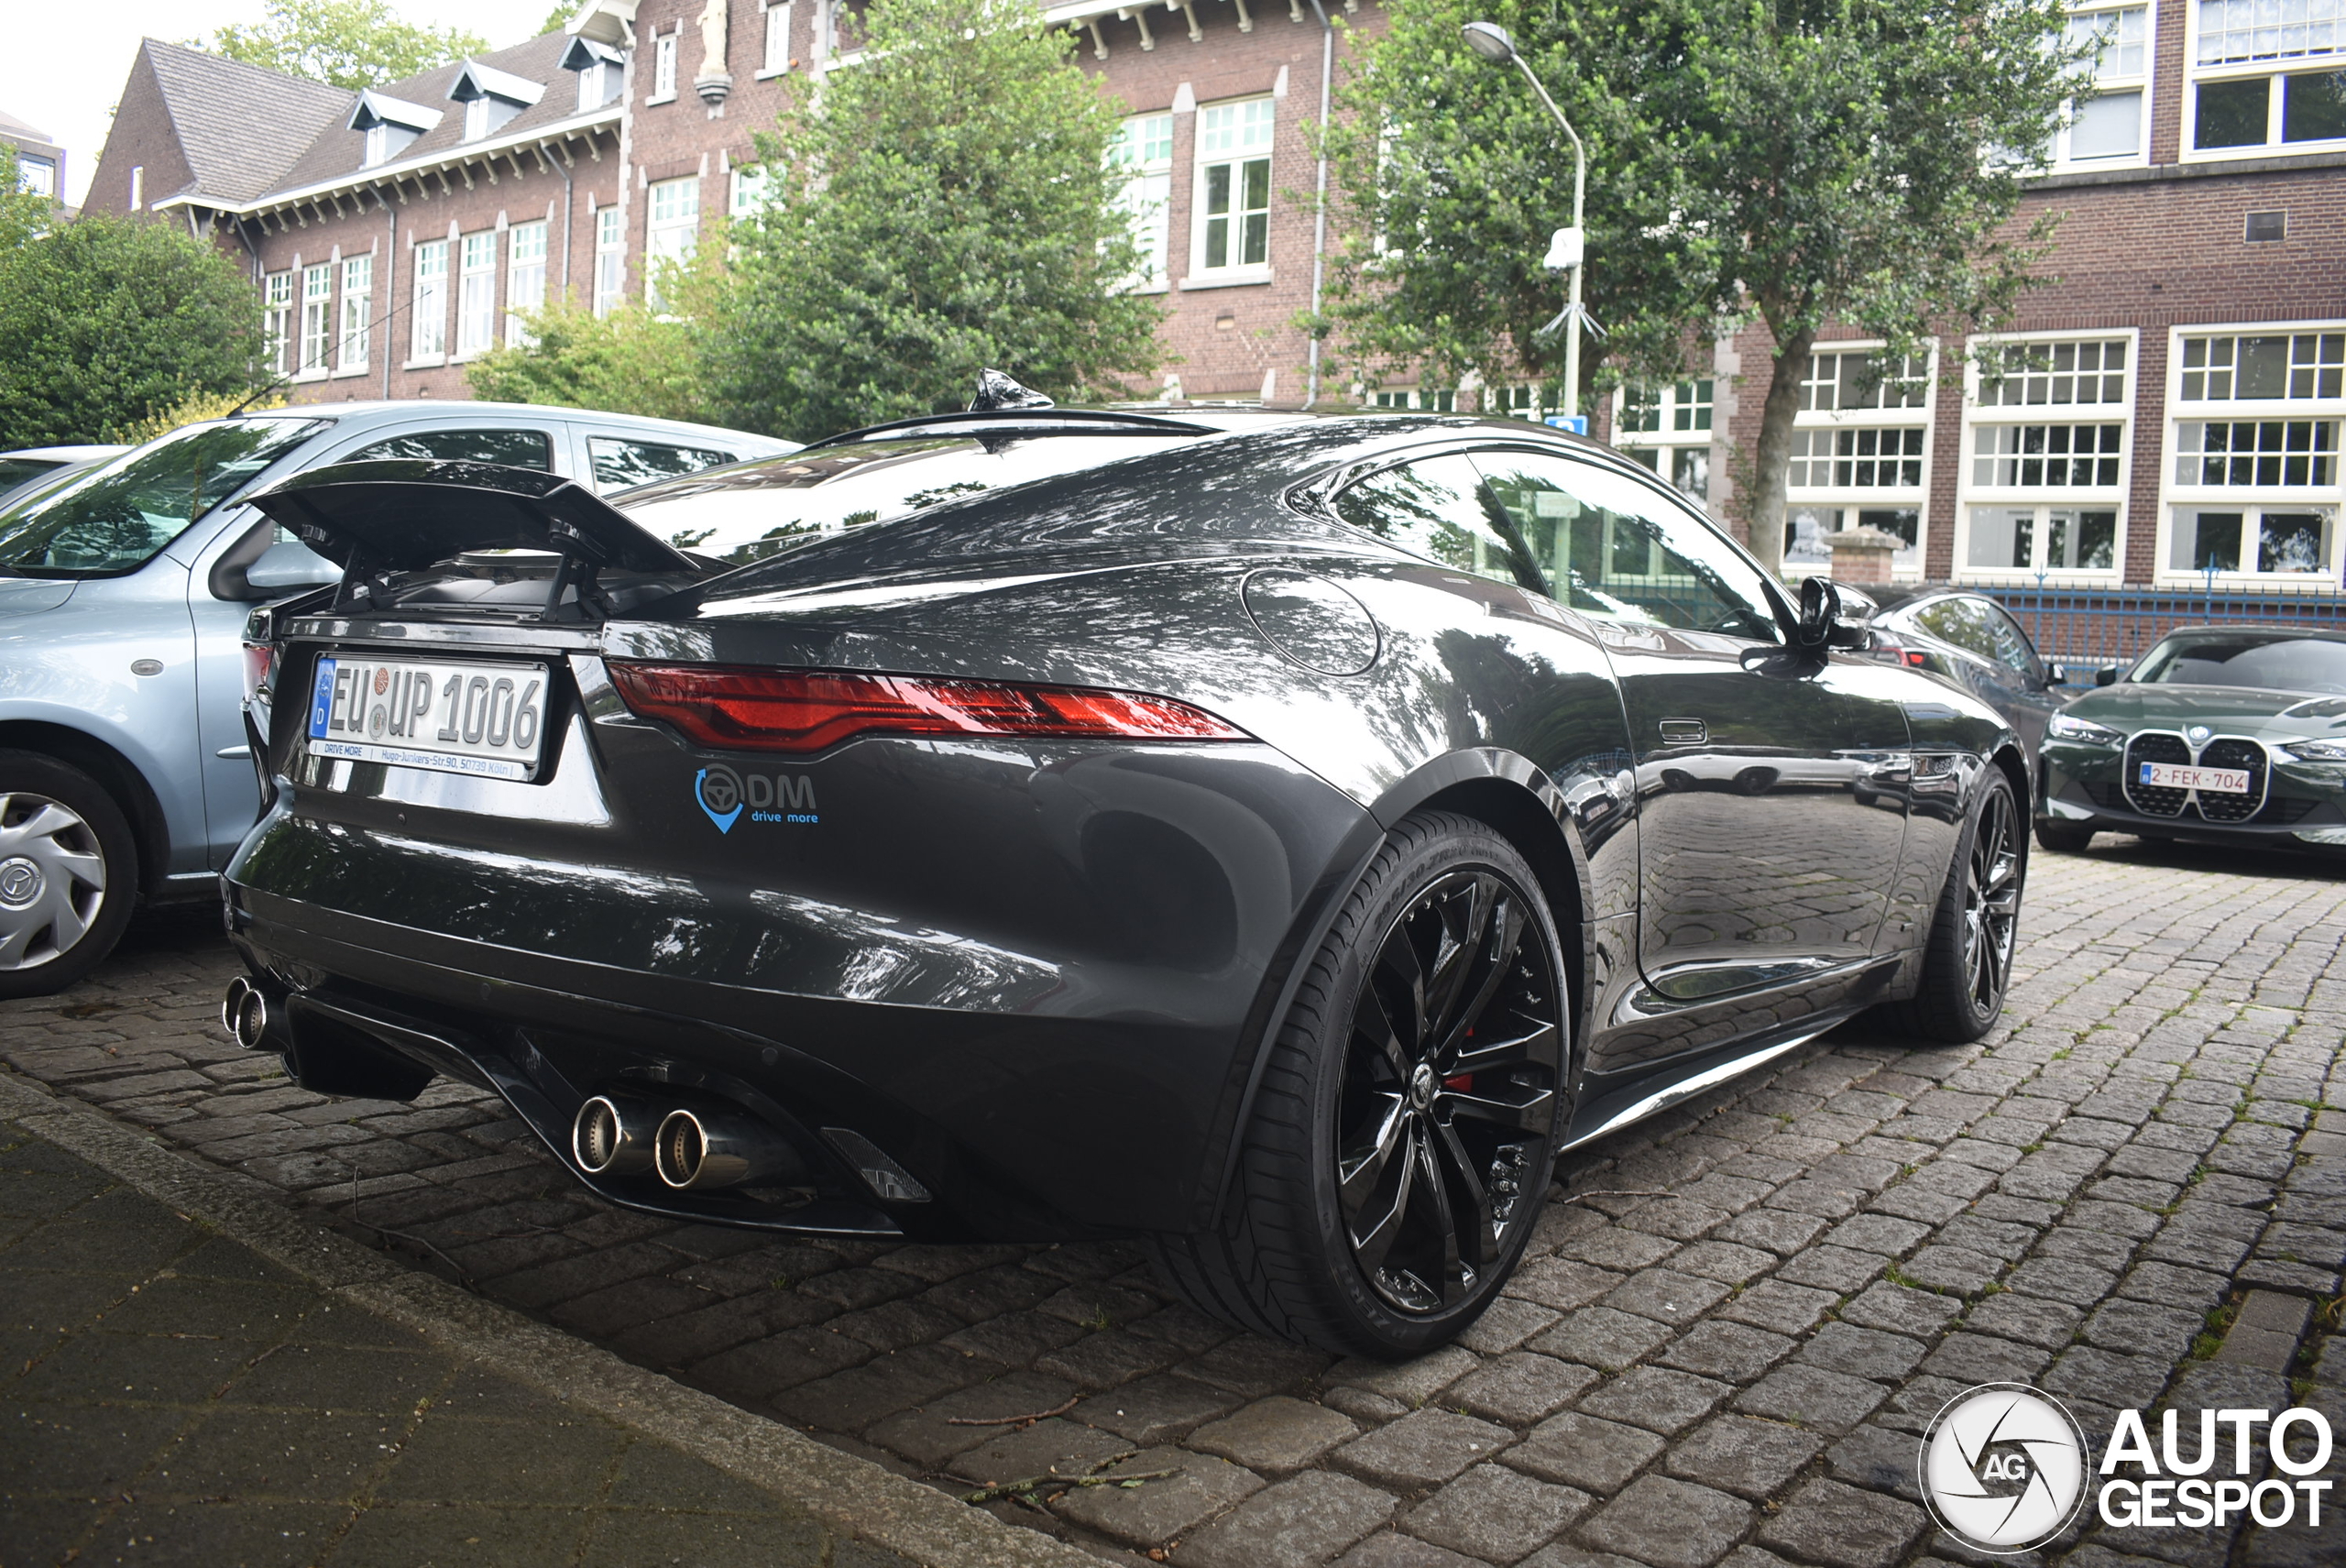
x=2081 y=731
x=2315 y=751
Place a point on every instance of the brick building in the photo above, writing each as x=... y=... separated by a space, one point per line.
x=2171 y=405
x=41 y=162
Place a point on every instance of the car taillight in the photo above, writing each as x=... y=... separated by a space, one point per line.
x=735 y=709
x=260 y=658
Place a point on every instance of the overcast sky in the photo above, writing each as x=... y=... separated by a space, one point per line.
x=64 y=65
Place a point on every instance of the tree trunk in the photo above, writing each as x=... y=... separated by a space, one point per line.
x=1786 y=372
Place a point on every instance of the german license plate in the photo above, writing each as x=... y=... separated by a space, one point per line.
x=487 y=721
x=2207 y=781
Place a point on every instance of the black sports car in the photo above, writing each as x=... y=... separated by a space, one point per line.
x=1272 y=838
x=2224 y=732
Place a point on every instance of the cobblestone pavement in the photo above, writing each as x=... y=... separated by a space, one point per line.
x=167 y=1394
x=1738 y=1369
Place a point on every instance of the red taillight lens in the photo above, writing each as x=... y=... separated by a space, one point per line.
x=806 y=710
x=1916 y=657
x=260 y=658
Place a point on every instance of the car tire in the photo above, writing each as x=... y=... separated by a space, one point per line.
x=68 y=874
x=1334 y=1234
x=2064 y=838
x=1967 y=965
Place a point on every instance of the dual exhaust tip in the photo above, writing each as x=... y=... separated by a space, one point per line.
x=691 y=1149
x=245 y=1013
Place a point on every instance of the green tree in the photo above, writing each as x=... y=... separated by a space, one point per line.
x=344 y=43
x=23 y=214
x=106 y=322
x=945 y=205
x=633 y=361
x=1800 y=162
x=558 y=19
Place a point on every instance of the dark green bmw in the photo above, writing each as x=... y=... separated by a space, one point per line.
x=2222 y=731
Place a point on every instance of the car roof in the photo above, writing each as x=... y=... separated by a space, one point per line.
x=2265 y=633
x=76 y=454
x=402 y=411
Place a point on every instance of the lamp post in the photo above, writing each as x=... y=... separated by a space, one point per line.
x=1569 y=245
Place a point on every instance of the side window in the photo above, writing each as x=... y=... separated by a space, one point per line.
x=1964 y=622
x=1435 y=509
x=1615 y=548
x=513 y=448
x=620 y=463
x=2013 y=649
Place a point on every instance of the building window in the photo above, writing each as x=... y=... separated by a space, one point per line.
x=385 y=140
x=752 y=191
x=671 y=231
x=1142 y=150
x=525 y=280
x=2244 y=95
x=2254 y=492
x=610 y=260
x=1667 y=429
x=430 y=332
x=1861 y=452
x=1531 y=403
x=2107 y=123
x=277 y=319
x=317 y=319
x=663 y=69
x=357 y=310
x=1421 y=399
x=2039 y=494
x=777 y=51
x=477 y=294
x=1233 y=198
x=599 y=71
x=36 y=176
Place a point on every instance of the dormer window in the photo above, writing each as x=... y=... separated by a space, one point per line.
x=390 y=126
x=599 y=68
x=491 y=97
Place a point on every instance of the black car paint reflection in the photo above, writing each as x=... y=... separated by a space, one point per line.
x=1040 y=974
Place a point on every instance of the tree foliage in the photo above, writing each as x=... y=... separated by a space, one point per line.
x=1802 y=162
x=945 y=205
x=633 y=361
x=344 y=43
x=109 y=321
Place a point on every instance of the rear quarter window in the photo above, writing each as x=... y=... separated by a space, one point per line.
x=513 y=448
x=622 y=462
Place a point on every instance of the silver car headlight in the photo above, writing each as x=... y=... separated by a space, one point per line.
x=2081 y=731
x=2314 y=750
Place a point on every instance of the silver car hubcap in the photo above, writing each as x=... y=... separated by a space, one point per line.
x=53 y=878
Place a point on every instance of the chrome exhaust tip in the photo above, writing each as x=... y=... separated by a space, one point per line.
x=698 y=1151
x=613 y=1135
x=245 y=1011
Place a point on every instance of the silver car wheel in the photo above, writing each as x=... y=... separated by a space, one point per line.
x=53 y=878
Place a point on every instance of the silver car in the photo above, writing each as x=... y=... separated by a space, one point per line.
x=124 y=773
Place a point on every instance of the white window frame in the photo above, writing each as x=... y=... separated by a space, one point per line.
x=1685 y=414
x=277 y=312
x=355 y=340
x=2275 y=67
x=36 y=176
x=525 y=278
x=477 y=293
x=2114 y=82
x=610 y=259
x=774 y=58
x=672 y=235
x=1415 y=399
x=2180 y=501
x=1147 y=196
x=1972 y=496
x=1235 y=159
x=1837 y=506
x=428 y=333
x=317 y=323
x=752 y=191
x=663 y=69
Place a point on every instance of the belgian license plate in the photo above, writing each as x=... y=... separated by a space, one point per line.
x=2207 y=781
x=487 y=721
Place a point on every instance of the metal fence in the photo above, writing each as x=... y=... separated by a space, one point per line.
x=2116 y=626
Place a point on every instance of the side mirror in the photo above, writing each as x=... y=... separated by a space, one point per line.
x=2106 y=676
x=1832 y=616
x=288 y=567
x=2055 y=675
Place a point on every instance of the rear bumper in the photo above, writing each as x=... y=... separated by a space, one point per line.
x=1039 y=1083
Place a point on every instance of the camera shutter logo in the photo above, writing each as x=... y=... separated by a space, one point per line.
x=2003 y=1467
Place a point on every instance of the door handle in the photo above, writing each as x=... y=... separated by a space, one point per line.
x=1684 y=732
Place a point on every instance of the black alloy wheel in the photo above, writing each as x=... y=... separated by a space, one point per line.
x=1400 y=1144
x=1968 y=960
x=2067 y=837
x=1449 y=1085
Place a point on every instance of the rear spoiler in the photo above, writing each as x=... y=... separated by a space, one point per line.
x=404 y=514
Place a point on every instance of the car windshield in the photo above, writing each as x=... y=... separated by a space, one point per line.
x=752 y=510
x=115 y=519
x=2270 y=662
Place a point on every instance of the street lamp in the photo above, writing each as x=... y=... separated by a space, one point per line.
x=1569 y=247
